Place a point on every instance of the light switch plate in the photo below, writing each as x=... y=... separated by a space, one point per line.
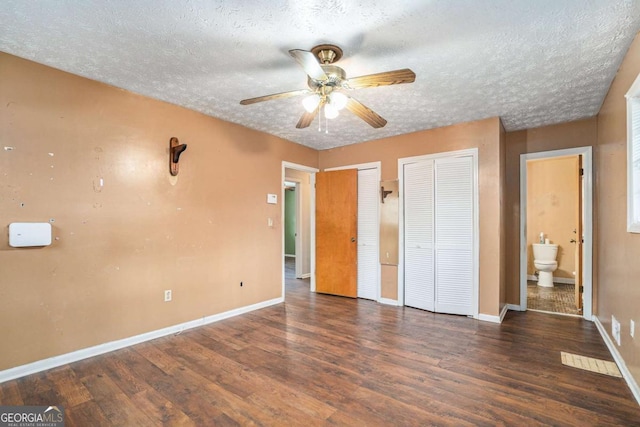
x=272 y=199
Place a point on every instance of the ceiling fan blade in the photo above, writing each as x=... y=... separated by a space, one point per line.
x=309 y=63
x=365 y=113
x=382 y=79
x=274 y=96
x=307 y=118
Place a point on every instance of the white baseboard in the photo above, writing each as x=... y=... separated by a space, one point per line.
x=514 y=307
x=563 y=280
x=493 y=319
x=63 y=359
x=503 y=312
x=631 y=382
x=388 y=301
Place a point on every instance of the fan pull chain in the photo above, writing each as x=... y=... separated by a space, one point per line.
x=326 y=124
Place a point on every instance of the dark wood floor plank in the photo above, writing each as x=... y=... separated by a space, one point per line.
x=10 y=394
x=67 y=386
x=323 y=360
x=86 y=414
x=161 y=410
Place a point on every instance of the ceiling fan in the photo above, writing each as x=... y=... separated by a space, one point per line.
x=329 y=86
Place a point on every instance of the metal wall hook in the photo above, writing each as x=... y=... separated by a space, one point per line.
x=384 y=194
x=175 y=150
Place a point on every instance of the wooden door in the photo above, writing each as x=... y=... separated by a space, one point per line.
x=336 y=232
x=578 y=238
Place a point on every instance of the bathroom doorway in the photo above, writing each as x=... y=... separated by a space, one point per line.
x=556 y=212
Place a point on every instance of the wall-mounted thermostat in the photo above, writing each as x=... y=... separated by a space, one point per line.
x=29 y=234
x=272 y=199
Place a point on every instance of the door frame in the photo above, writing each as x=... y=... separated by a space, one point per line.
x=312 y=220
x=587 y=206
x=360 y=166
x=473 y=152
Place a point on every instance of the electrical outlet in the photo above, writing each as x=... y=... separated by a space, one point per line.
x=615 y=329
x=167 y=295
x=632 y=327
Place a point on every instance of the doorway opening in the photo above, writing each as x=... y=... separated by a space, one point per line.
x=298 y=231
x=556 y=222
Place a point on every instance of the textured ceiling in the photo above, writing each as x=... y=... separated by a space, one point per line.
x=532 y=63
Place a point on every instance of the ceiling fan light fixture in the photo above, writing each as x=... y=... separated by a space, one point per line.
x=338 y=100
x=310 y=103
x=330 y=111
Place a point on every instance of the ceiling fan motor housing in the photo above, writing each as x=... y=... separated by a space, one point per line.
x=335 y=74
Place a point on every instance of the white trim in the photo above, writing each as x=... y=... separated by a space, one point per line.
x=587 y=254
x=378 y=167
x=85 y=353
x=305 y=276
x=503 y=312
x=476 y=220
x=388 y=301
x=633 y=226
x=289 y=256
x=626 y=374
x=514 y=307
x=312 y=219
x=359 y=166
x=494 y=319
x=563 y=280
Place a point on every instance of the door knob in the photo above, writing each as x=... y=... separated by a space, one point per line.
x=353 y=240
x=573 y=240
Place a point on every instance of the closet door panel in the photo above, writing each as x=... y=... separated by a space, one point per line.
x=368 y=258
x=454 y=235
x=418 y=235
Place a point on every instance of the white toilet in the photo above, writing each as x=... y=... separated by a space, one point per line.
x=544 y=259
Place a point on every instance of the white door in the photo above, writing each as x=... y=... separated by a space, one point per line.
x=439 y=235
x=368 y=260
x=418 y=228
x=454 y=235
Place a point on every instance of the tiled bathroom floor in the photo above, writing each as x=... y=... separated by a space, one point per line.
x=559 y=299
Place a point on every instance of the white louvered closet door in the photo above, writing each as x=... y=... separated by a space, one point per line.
x=418 y=235
x=368 y=259
x=454 y=235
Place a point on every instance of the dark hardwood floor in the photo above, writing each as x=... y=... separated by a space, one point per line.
x=323 y=360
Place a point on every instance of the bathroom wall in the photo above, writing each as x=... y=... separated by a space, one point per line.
x=552 y=208
x=94 y=160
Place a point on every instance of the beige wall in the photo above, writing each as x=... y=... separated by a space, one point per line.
x=618 y=251
x=552 y=209
x=483 y=134
x=119 y=246
x=581 y=133
x=304 y=179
